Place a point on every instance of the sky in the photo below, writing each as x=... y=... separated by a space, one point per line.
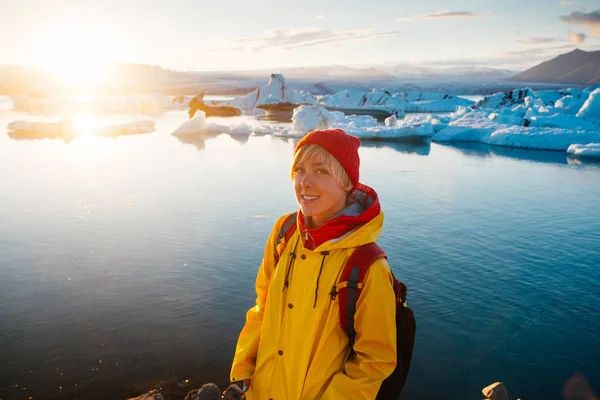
x=239 y=34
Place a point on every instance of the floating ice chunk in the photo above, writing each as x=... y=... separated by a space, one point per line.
x=199 y=125
x=423 y=96
x=397 y=103
x=591 y=107
x=193 y=125
x=449 y=105
x=506 y=99
x=240 y=129
x=570 y=104
x=65 y=127
x=367 y=128
x=549 y=97
x=533 y=102
x=267 y=130
x=354 y=98
x=477 y=127
x=309 y=118
x=563 y=121
x=507 y=119
x=276 y=91
x=591 y=150
x=391 y=121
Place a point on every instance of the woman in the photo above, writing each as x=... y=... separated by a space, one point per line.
x=292 y=346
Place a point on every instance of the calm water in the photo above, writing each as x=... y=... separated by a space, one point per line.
x=128 y=262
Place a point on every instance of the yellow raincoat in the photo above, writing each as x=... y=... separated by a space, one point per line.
x=293 y=346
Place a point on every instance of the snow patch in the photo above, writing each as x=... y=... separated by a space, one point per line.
x=591 y=107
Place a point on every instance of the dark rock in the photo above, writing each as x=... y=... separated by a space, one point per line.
x=152 y=395
x=233 y=392
x=210 y=391
x=578 y=388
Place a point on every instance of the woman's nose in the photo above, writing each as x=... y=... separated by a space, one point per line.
x=307 y=180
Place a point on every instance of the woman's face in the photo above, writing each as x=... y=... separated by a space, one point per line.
x=318 y=193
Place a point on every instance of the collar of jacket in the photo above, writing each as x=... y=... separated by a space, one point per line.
x=343 y=222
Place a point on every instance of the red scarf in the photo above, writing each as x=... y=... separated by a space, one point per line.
x=342 y=224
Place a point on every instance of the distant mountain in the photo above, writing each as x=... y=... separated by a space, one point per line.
x=341 y=72
x=119 y=78
x=333 y=71
x=420 y=71
x=576 y=67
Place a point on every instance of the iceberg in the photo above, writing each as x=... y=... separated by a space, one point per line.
x=430 y=106
x=365 y=127
x=591 y=150
x=570 y=104
x=309 y=118
x=352 y=98
x=591 y=107
x=397 y=104
x=563 y=121
x=506 y=99
x=199 y=126
x=478 y=126
x=393 y=129
x=424 y=96
x=276 y=91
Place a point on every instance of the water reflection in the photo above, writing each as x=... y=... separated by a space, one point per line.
x=242 y=139
x=416 y=146
x=79 y=126
x=194 y=139
x=486 y=150
x=66 y=136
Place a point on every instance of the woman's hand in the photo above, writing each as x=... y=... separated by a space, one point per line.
x=247 y=383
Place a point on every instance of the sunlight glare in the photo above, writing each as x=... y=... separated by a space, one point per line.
x=90 y=149
x=85 y=124
x=78 y=54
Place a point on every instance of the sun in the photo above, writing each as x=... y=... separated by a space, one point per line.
x=78 y=54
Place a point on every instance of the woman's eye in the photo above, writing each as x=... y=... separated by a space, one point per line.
x=299 y=170
x=322 y=171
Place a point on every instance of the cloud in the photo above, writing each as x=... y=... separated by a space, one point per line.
x=590 y=20
x=320 y=16
x=306 y=37
x=577 y=38
x=536 y=40
x=444 y=14
x=567 y=3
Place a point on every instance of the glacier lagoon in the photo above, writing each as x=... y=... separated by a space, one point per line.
x=130 y=261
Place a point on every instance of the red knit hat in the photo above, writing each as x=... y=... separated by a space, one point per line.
x=342 y=146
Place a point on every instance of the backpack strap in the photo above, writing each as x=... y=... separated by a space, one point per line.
x=351 y=284
x=285 y=233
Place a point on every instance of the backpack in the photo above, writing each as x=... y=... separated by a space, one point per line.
x=350 y=287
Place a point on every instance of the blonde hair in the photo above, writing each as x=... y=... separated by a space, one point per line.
x=334 y=167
